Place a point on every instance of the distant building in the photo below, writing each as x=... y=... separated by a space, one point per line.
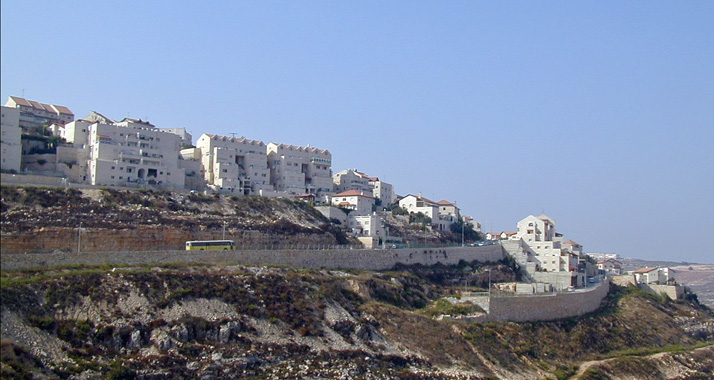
x=503 y=235
x=604 y=256
x=610 y=266
x=10 y=139
x=35 y=114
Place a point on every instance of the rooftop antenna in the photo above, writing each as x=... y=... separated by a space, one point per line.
x=233 y=134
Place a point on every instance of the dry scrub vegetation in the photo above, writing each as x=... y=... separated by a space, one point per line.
x=217 y=322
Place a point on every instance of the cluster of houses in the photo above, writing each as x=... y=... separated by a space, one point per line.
x=97 y=150
x=100 y=151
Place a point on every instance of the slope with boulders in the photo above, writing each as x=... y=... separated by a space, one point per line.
x=211 y=322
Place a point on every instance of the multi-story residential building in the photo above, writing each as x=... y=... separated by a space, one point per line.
x=366 y=225
x=10 y=139
x=536 y=228
x=133 y=151
x=300 y=170
x=382 y=190
x=538 y=232
x=351 y=179
x=34 y=114
x=75 y=132
x=235 y=165
x=186 y=138
x=190 y=161
x=361 y=203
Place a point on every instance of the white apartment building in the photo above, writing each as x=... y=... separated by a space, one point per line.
x=538 y=232
x=351 y=179
x=234 y=165
x=366 y=225
x=34 y=114
x=300 y=170
x=10 y=139
x=75 y=132
x=133 y=151
x=382 y=190
x=190 y=161
x=186 y=138
x=536 y=228
x=354 y=200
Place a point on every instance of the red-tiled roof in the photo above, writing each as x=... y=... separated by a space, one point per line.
x=21 y=101
x=645 y=270
x=352 y=193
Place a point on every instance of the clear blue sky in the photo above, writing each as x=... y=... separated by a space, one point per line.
x=598 y=113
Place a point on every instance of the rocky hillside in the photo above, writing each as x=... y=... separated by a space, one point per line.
x=37 y=219
x=230 y=322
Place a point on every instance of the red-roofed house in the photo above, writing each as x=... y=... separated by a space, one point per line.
x=354 y=200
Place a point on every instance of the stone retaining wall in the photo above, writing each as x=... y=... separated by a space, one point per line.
x=545 y=307
x=364 y=259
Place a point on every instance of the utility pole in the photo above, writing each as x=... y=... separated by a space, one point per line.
x=79 y=238
x=489 y=283
x=224 y=230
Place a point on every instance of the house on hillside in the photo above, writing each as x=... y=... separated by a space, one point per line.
x=361 y=203
x=610 y=267
x=417 y=204
x=658 y=276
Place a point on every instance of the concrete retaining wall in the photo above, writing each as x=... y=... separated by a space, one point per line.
x=331 y=259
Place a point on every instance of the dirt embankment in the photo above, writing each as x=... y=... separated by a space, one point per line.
x=48 y=219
